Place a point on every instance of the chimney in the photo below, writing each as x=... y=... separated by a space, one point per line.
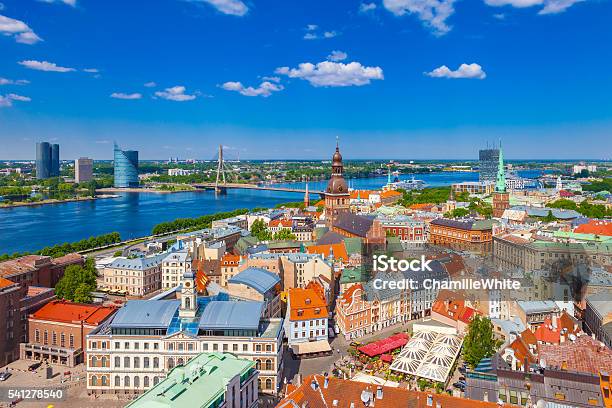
x=379 y=392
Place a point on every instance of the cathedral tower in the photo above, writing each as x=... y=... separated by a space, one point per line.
x=336 y=194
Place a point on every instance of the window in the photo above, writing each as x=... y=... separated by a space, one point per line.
x=126 y=362
x=136 y=363
x=146 y=347
x=225 y=348
x=268 y=384
x=145 y=362
x=117 y=363
x=136 y=382
x=46 y=338
x=145 y=381
x=190 y=346
x=136 y=346
x=117 y=346
x=258 y=347
x=170 y=346
x=234 y=347
x=205 y=347
x=245 y=347
x=126 y=345
x=104 y=381
x=268 y=364
x=94 y=380
x=126 y=381
x=37 y=336
x=155 y=362
x=94 y=361
x=268 y=348
x=155 y=380
x=71 y=341
x=94 y=344
x=180 y=347
x=215 y=347
x=117 y=381
x=170 y=363
x=104 y=361
x=63 y=341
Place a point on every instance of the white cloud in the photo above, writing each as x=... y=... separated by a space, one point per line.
x=329 y=73
x=330 y=34
x=176 y=93
x=264 y=89
x=150 y=84
x=548 y=6
x=271 y=78
x=310 y=36
x=470 y=71
x=231 y=7
x=68 y=2
x=313 y=35
x=6 y=101
x=337 y=56
x=432 y=12
x=312 y=27
x=365 y=7
x=44 y=66
x=91 y=70
x=5 y=81
x=19 y=30
x=121 y=95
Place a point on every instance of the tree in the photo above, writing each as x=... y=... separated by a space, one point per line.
x=284 y=234
x=77 y=283
x=479 y=343
x=260 y=230
x=549 y=217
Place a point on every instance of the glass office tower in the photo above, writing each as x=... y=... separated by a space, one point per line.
x=126 y=168
x=55 y=161
x=43 y=160
x=489 y=159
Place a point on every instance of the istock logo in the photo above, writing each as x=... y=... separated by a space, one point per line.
x=384 y=263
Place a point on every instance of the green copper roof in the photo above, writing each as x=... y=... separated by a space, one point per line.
x=353 y=275
x=353 y=245
x=500 y=181
x=200 y=383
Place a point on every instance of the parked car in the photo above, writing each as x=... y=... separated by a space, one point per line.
x=460 y=385
x=4 y=375
x=34 y=366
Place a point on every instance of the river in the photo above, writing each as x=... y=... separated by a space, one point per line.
x=134 y=214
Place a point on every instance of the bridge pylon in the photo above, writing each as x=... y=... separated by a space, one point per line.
x=220 y=188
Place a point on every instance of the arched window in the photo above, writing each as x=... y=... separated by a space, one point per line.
x=126 y=362
x=258 y=364
x=117 y=362
x=187 y=303
x=117 y=381
x=146 y=381
x=155 y=362
x=259 y=384
x=94 y=380
x=180 y=361
x=170 y=363
x=104 y=381
x=103 y=362
x=145 y=362
x=94 y=361
x=155 y=380
x=136 y=382
x=268 y=384
x=126 y=381
x=268 y=364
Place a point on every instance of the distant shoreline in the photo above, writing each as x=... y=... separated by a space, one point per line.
x=53 y=201
x=139 y=190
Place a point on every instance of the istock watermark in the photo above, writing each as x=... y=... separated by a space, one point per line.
x=385 y=263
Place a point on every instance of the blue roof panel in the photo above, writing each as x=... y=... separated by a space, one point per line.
x=259 y=279
x=146 y=314
x=223 y=315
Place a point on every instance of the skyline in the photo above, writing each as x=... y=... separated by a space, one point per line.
x=436 y=82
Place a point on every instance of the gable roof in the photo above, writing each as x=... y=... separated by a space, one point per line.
x=354 y=224
x=339 y=250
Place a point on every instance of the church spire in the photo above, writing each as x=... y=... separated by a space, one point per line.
x=500 y=181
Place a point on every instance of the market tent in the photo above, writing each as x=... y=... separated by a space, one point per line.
x=385 y=345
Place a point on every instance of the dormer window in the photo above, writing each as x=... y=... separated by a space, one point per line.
x=300 y=312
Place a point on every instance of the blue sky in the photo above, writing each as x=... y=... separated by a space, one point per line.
x=402 y=79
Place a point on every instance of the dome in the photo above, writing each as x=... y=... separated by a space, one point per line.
x=337 y=185
x=337 y=158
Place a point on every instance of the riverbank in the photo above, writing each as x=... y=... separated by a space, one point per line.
x=52 y=201
x=140 y=190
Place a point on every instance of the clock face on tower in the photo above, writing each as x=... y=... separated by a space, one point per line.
x=187 y=284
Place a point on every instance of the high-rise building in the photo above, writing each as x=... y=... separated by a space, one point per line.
x=126 y=168
x=43 y=160
x=489 y=159
x=83 y=170
x=55 y=161
x=47 y=160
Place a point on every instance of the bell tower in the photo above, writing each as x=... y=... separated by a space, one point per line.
x=501 y=198
x=336 y=194
x=189 y=302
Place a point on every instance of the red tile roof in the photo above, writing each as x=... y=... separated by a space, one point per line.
x=583 y=355
x=342 y=393
x=5 y=282
x=339 y=250
x=70 y=312
x=452 y=305
x=306 y=304
x=598 y=227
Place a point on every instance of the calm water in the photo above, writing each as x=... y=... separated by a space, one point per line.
x=134 y=215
